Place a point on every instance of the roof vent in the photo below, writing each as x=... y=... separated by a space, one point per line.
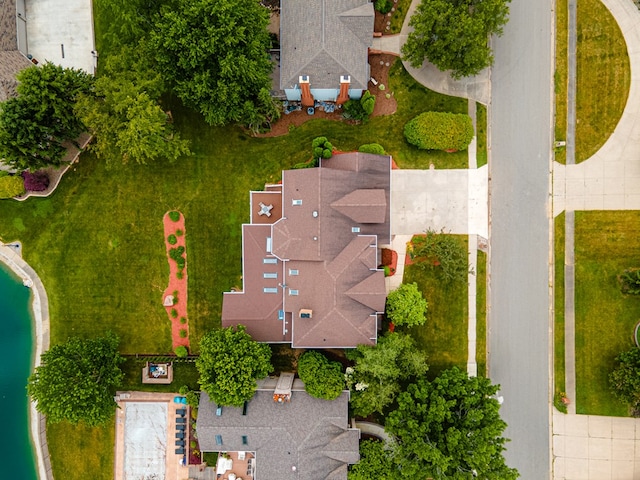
x=306 y=313
x=315 y=238
x=303 y=79
x=345 y=79
x=315 y=214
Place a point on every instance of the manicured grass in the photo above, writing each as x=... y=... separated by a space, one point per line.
x=603 y=77
x=560 y=77
x=558 y=292
x=80 y=452
x=481 y=134
x=397 y=19
x=444 y=335
x=481 y=314
x=606 y=244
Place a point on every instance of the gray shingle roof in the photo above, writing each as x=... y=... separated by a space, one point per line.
x=11 y=60
x=325 y=39
x=311 y=434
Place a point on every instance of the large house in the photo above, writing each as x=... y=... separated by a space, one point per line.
x=310 y=255
x=281 y=433
x=324 y=49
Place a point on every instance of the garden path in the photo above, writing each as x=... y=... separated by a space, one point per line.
x=176 y=284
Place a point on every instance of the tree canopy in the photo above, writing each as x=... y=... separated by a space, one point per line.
x=322 y=378
x=375 y=462
x=449 y=428
x=215 y=54
x=406 y=305
x=625 y=379
x=379 y=371
x=76 y=381
x=454 y=34
x=229 y=364
x=34 y=125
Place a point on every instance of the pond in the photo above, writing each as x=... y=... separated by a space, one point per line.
x=16 y=344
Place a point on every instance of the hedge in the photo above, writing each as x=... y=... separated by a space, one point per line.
x=375 y=148
x=11 y=186
x=440 y=131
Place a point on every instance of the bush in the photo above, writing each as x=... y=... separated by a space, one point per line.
x=630 y=281
x=181 y=352
x=36 y=181
x=179 y=232
x=174 y=215
x=439 y=131
x=625 y=379
x=183 y=333
x=321 y=148
x=183 y=320
x=172 y=239
x=184 y=389
x=368 y=102
x=383 y=6
x=374 y=148
x=444 y=253
x=193 y=399
x=11 y=186
x=179 y=275
x=322 y=378
x=406 y=305
x=174 y=313
x=360 y=109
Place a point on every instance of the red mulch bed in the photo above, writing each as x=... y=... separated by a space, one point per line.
x=175 y=283
x=193 y=458
x=389 y=259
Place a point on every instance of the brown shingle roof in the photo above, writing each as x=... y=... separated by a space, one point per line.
x=326 y=250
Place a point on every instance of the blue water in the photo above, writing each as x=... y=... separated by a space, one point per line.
x=16 y=344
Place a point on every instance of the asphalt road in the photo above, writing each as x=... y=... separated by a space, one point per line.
x=519 y=231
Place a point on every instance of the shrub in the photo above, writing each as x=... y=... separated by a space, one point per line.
x=322 y=148
x=193 y=399
x=444 y=253
x=406 y=305
x=174 y=313
x=11 y=186
x=172 y=239
x=183 y=333
x=368 y=102
x=179 y=275
x=174 y=215
x=375 y=148
x=630 y=281
x=184 y=388
x=179 y=232
x=322 y=378
x=383 y=6
x=183 y=320
x=4 y=173
x=36 y=181
x=439 y=131
x=625 y=379
x=181 y=352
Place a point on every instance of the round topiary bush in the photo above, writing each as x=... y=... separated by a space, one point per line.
x=174 y=215
x=383 y=6
x=182 y=352
x=172 y=239
x=439 y=131
x=179 y=233
x=183 y=333
x=183 y=320
x=374 y=148
x=174 y=313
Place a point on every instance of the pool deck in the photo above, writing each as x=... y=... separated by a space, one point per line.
x=173 y=469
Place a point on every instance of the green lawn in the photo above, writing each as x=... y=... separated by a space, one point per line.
x=80 y=452
x=560 y=77
x=481 y=314
x=603 y=77
x=184 y=373
x=606 y=244
x=558 y=292
x=481 y=134
x=444 y=335
x=397 y=19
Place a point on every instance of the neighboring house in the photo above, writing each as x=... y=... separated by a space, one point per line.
x=310 y=255
x=324 y=49
x=299 y=437
x=11 y=60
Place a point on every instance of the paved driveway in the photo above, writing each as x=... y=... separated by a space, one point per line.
x=61 y=31
x=451 y=200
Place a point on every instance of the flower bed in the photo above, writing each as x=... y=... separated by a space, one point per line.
x=175 y=295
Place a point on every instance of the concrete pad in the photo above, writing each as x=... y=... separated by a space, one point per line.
x=558 y=422
x=623 y=449
x=622 y=470
x=594 y=185
x=599 y=426
x=599 y=469
x=145 y=440
x=558 y=468
x=623 y=428
x=576 y=447
x=559 y=445
x=600 y=448
x=612 y=202
x=61 y=31
x=593 y=202
x=576 y=469
x=577 y=425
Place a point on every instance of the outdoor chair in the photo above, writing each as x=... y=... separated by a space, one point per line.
x=181 y=412
x=180 y=427
x=179 y=451
x=180 y=443
x=180 y=435
x=181 y=420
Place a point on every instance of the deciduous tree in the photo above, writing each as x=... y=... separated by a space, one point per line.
x=322 y=378
x=406 y=305
x=215 y=53
x=454 y=34
x=230 y=362
x=375 y=379
x=76 y=381
x=375 y=462
x=449 y=428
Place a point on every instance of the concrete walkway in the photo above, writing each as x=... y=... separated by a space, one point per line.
x=374 y=429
